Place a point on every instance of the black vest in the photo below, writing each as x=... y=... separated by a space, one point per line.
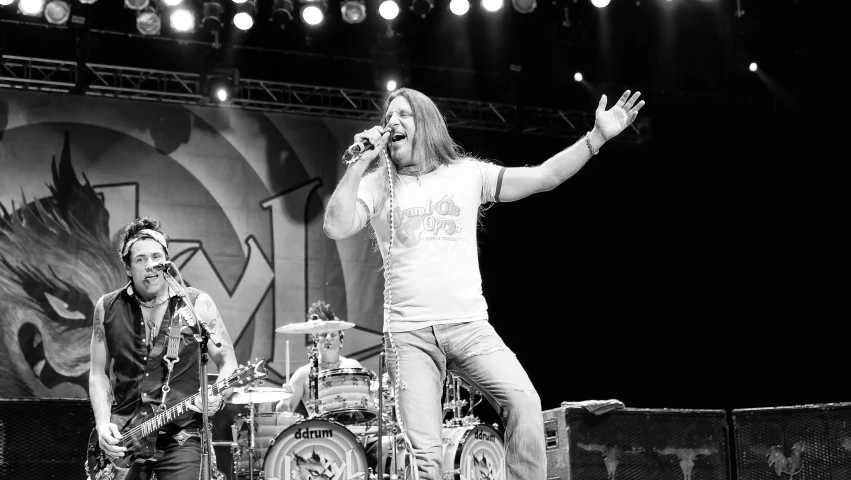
x=139 y=370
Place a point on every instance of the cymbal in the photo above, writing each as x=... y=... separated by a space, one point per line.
x=315 y=327
x=242 y=396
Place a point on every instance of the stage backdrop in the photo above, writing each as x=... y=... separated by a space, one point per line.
x=240 y=194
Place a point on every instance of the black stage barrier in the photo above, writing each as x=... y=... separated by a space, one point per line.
x=636 y=444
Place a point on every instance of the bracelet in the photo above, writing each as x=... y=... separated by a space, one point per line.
x=590 y=147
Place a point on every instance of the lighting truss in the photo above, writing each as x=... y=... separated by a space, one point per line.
x=25 y=73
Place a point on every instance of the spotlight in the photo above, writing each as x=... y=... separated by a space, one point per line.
x=752 y=67
x=600 y=3
x=282 y=12
x=313 y=11
x=3 y=3
x=524 y=6
x=136 y=4
x=578 y=76
x=492 y=5
x=220 y=85
x=422 y=7
x=354 y=11
x=148 y=22
x=392 y=85
x=172 y=3
x=57 y=12
x=182 y=20
x=244 y=18
x=88 y=2
x=459 y=7
x=31 y=7
x=211 y=15
x=388 y=9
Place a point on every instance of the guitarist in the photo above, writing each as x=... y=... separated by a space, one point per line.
x=130 y=342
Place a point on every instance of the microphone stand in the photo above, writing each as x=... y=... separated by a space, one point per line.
x=203 y=357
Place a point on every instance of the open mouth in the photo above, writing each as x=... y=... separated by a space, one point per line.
x=30 y=342
x=397 y=137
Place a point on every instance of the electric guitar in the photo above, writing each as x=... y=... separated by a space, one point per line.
x=139 y=435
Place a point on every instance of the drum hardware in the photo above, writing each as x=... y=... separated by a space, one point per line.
x=315 y=327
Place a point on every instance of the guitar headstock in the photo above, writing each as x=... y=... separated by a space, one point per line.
x=251 y=372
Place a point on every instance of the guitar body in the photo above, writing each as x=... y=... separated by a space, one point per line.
x=141 y=450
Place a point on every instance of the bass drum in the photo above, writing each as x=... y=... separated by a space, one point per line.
x=315 y=449
x=473 y=452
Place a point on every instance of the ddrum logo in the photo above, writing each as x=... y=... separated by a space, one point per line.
x=308 y=433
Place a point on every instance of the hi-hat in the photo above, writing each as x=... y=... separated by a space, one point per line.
x=315 y=327
x=242 y=396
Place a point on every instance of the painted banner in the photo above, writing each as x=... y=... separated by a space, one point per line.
x=241 y=195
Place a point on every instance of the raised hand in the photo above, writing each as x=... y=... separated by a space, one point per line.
x=613 y=121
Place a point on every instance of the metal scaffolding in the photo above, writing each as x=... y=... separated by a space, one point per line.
x=259 y=95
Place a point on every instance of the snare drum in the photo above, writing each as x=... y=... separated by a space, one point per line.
x=315 y=449
x=345 y=395
x=473 y=452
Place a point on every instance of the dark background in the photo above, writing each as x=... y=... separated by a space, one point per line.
x=706 y=267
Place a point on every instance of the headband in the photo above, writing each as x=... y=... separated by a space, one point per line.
x=145 y=233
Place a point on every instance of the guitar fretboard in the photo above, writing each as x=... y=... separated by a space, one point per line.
x=164 y=417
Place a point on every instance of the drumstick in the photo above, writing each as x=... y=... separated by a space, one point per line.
x=288 y=361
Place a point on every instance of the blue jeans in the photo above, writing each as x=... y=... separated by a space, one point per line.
x=478 y=355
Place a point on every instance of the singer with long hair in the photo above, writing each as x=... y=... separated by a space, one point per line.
x=417 y=180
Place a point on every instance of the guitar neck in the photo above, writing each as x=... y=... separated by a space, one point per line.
x=163 y=418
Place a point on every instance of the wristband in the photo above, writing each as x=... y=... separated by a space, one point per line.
x=590 y=147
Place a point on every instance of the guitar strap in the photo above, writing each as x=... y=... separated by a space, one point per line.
x=172 y=355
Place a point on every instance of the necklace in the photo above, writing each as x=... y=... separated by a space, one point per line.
x=150 y=305
x=408 y=171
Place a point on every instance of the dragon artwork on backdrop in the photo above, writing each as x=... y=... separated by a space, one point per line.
x=56 y=260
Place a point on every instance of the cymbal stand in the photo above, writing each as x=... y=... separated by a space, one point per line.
x=379 y=464
x=250 y=441
x=313 y=356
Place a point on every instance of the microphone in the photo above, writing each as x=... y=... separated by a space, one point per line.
x=161 y=266
x=361 y=146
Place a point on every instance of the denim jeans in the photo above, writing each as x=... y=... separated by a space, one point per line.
x=478 y=355
x=179 y=462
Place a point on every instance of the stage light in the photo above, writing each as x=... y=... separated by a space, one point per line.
x=172 y=3
x=148 y=22
x=524 y=6
x=600 y=3
x=578 y=76
x=220 y=85
x=752 y=67
x=182 y=20
x=238 y=1
x=244 y=18
x=88 y=2
x=57 y=12
x=492 y=5
x=3 y=3
x=282 y=12
x=392 y=85
x=422 y=7
x=313 y=11
x=354 y=11
x=459 y=7
x=31 y=7
x=136 y=4
x=212 y=12
x=388 y=9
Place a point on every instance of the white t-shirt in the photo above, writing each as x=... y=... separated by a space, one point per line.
x=434 y=268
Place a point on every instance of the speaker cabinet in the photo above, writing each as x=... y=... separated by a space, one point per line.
x=44 y=438
x=636 y=444
x=811 y=442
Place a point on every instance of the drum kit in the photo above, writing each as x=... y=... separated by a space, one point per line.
x=351 y=424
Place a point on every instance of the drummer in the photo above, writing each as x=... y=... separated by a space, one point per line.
x=329 y=346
